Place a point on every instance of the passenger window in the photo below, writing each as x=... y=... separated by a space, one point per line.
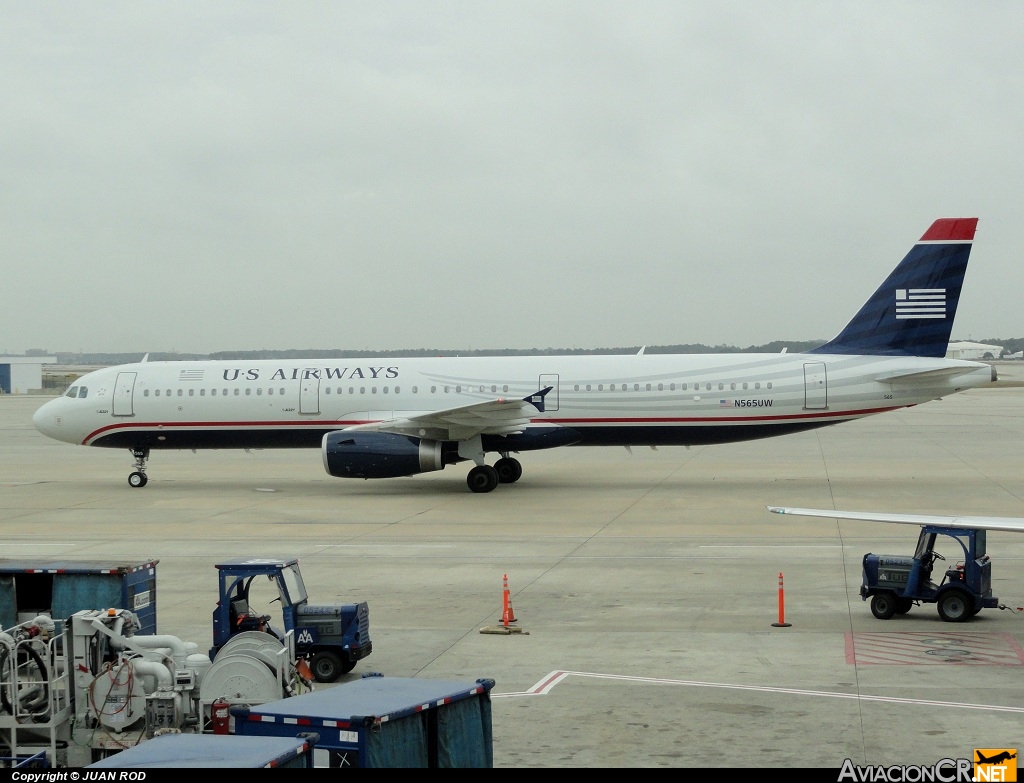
x=327 y=390
x=362 y=390
x=458 y=389
x=732 y=386
x=433 y=389
x=588 y=387
x=757 y=385
x=270 y=390
x=169 y=392
x=191 y=392
x=385 y=389
x=373 y=390
x=397 y=389
x=248 y=392
x=636 y=387
x=648 y=387
x=661 y=387
x=769 y=385
x=744 y=384
x=259 y=392
x=202 y=392
x=504 y=388
x=236 y=392
x=415 y=389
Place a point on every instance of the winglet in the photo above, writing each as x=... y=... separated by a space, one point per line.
x=537 y=398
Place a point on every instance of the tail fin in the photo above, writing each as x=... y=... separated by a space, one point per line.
x=912 y=313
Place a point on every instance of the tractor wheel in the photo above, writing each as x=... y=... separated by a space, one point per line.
x=883 y=605
x=956 y=606
x=903 y=605
x=326 y=666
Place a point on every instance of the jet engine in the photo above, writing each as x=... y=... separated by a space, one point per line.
x=367 y=455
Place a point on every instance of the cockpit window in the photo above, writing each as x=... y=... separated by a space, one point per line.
x=82 y=391
x=72 y=392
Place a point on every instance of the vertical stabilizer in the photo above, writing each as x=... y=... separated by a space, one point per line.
x=911 y=314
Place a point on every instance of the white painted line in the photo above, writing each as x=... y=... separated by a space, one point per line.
x=544 y=686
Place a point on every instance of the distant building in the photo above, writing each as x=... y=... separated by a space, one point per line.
x=973 y=351
x=23 y=374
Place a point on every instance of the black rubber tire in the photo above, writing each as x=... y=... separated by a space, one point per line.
x=509 y=470
x=326 y=666
x=482 y=478
x=883 y=605
x=903 y=605
x=137 y=479
x=955 y=606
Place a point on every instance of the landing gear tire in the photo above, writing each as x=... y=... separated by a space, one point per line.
x=883 y=605
x=482 y=478
x=137 y=479
x=509 y=470
x=956 y=607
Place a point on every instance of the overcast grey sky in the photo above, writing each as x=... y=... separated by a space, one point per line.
x=207 y=176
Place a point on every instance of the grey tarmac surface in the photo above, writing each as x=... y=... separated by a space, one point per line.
x=644 y=584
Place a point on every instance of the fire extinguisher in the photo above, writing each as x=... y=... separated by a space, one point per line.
x=220 y=716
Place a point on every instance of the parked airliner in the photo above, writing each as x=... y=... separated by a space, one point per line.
x=387 y=418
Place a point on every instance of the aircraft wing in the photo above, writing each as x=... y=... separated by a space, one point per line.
x=1008 y=524
x=489 y=417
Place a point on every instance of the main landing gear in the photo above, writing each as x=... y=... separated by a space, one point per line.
x=484 y=478
x=137 y=478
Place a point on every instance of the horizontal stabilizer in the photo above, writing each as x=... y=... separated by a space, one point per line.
x=924 y=376
x=1007 y=524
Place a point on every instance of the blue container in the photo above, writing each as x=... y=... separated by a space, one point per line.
x=384 y=722
x=179 y=751
x=60 y=588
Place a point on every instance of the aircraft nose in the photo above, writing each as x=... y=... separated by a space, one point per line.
x=47 y=420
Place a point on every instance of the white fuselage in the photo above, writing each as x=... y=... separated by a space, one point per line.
x=651 y=399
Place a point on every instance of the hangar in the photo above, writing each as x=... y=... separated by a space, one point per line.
x=974 y=352
x=23 y=374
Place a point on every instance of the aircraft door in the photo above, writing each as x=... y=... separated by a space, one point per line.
x=309 y=395
x=124 y=393
x=551 y=400
x=815 y=386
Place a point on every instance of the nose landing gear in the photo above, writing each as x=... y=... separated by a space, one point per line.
x=138 y=478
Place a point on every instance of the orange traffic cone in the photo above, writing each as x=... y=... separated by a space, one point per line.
x=507 y=615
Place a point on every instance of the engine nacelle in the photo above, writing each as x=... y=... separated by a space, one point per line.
x=379 y=455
